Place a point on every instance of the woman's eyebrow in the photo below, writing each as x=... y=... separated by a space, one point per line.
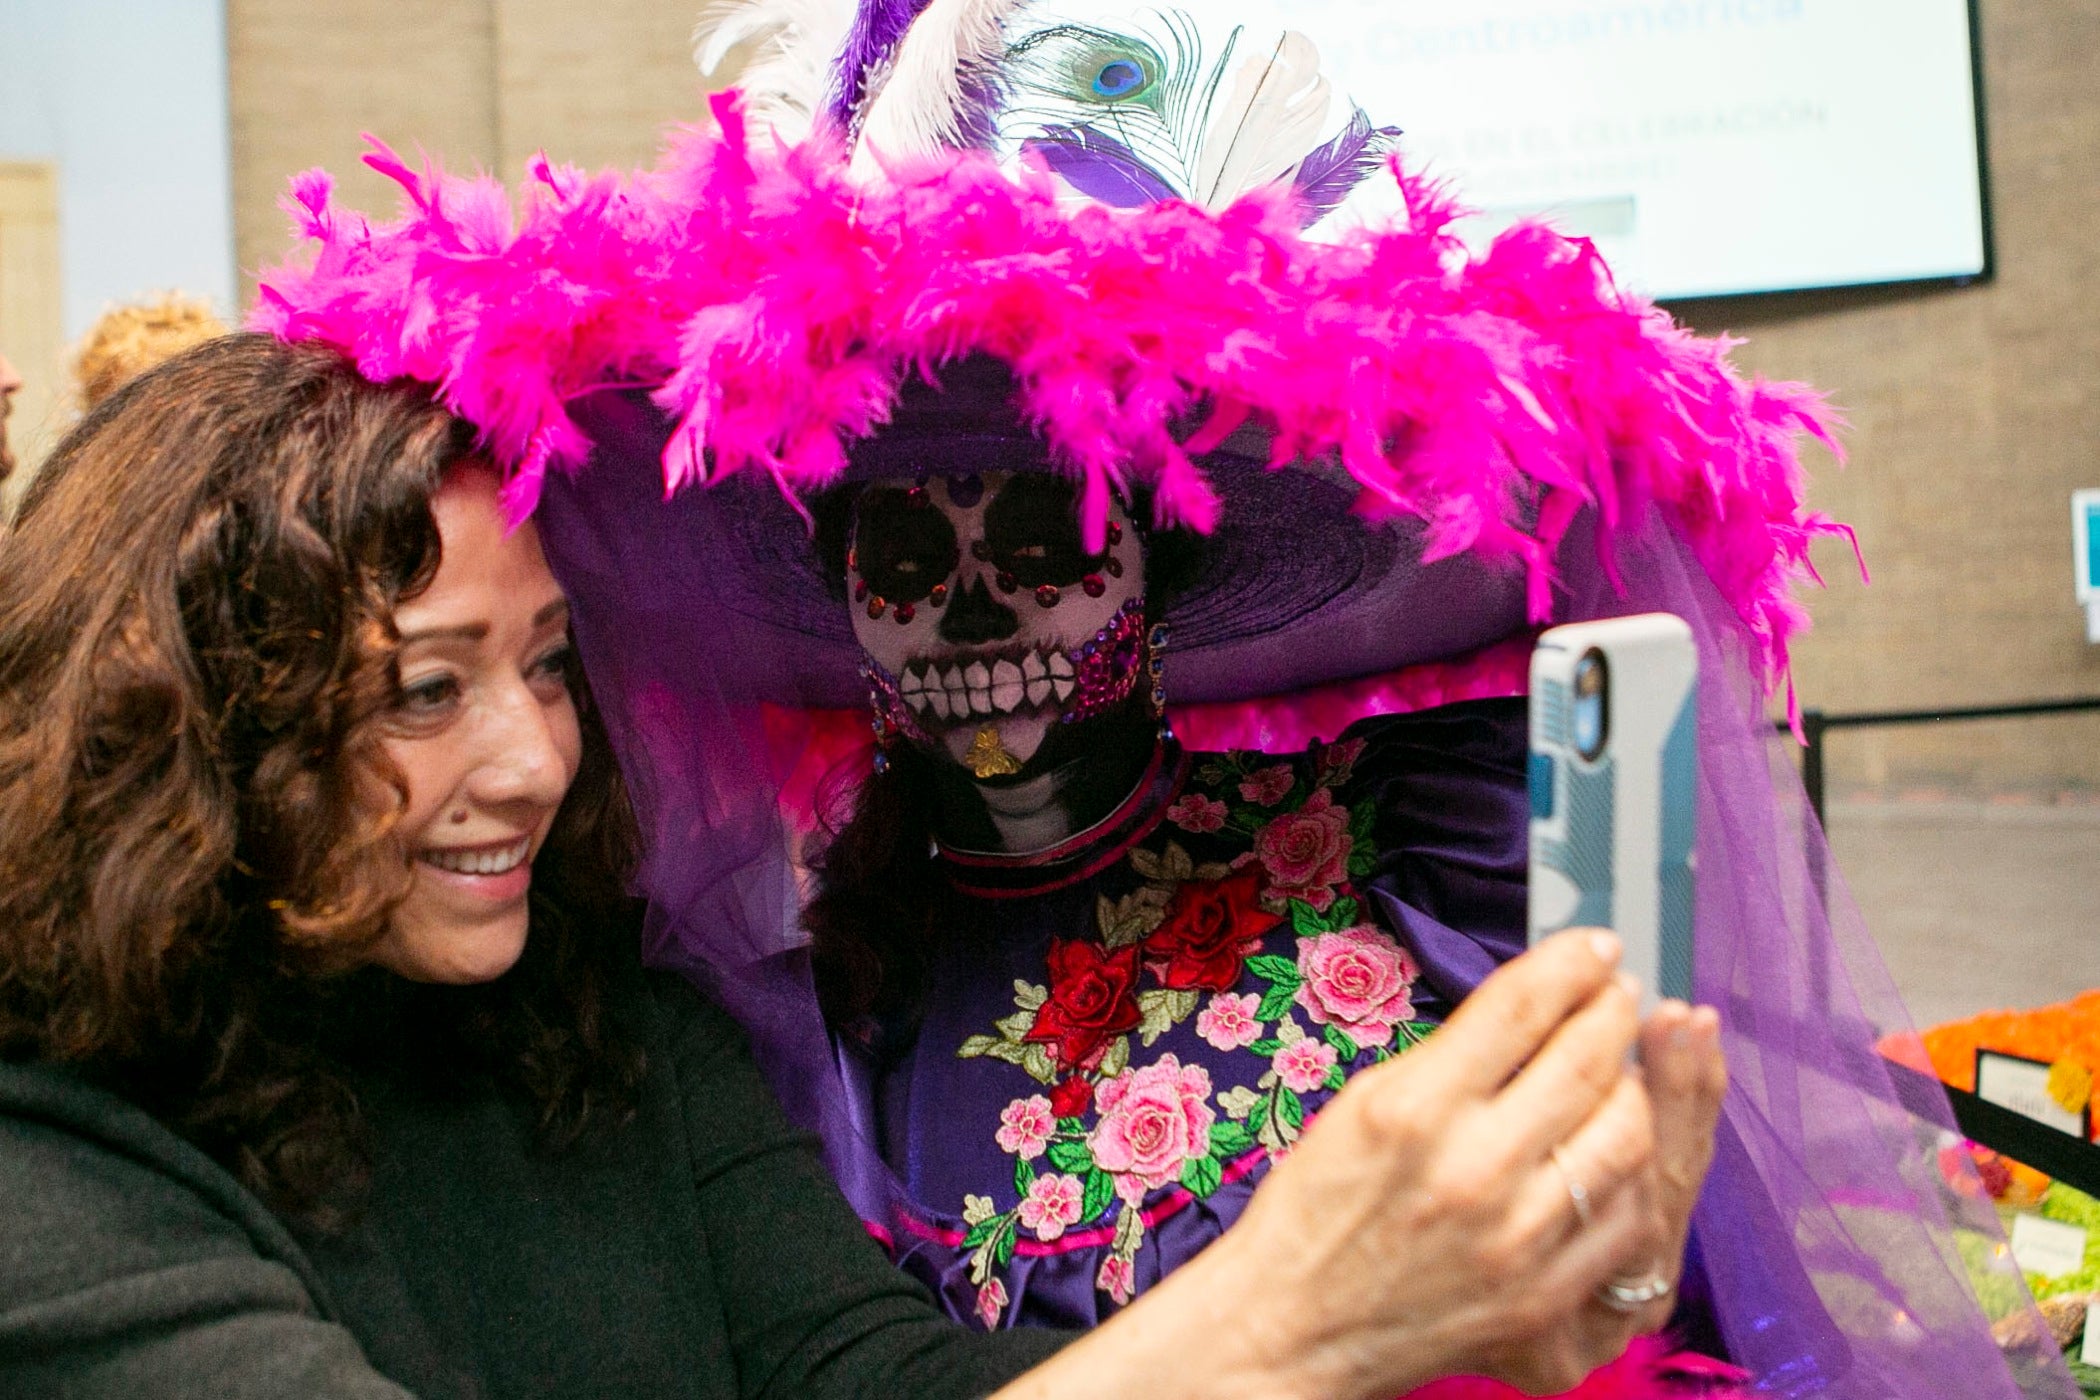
x=477 y=631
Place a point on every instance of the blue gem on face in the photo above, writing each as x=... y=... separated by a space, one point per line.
x=966 y=491
x=1119 y=77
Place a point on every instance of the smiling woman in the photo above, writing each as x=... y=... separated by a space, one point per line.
x=485 y=734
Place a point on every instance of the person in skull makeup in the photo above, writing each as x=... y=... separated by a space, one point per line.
x=1090 y=982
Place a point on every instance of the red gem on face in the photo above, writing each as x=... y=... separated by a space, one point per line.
x=1047 y=595
x=1094 y=585
x=876 y=607
x=1115 y=568
x=860 y=591
x=939 y=596
x=1115 y=533
x=905 y=613
x=1007 y=582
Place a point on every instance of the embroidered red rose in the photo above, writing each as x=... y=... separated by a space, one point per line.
x=1093 y=997
x=1306 y=852
x=1198 y=813
x=1209 y=929
x=1268 y=786
x=1071 y=1098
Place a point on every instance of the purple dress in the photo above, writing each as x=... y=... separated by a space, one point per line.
x=1122 y=1032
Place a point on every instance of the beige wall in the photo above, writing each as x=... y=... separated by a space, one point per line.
x=29 y=314
x=1975 y=412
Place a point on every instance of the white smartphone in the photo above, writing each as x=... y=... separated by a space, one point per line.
x=1614 y=783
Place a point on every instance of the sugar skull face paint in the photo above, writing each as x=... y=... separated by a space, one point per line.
x=984 y=620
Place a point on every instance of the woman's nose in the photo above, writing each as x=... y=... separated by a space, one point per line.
x=973 y=617
x=525 y=761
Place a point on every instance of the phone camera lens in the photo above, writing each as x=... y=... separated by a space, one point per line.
x=1591 y=708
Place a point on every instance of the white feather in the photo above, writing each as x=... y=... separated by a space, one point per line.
x=918 y=109
x=787 y=48
x=1265 y=125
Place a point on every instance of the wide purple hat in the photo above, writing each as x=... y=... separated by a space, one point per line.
x=1448 y=447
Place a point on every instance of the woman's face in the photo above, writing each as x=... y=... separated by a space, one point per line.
x=485 y=735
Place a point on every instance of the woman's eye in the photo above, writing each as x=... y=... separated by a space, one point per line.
x=429 y=694
x=555 y=665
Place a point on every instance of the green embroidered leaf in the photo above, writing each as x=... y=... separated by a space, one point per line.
x=1345 y=912
x=1176 y=864
x=1211 y=872
x=977 y=1045
x=1258 y=1117
x=1181 y=1003
x=978 y=1209
x=1268 y=1046
x=1073 y=1157
x=1156 y=1013
x=1130 y=1233
x=1071 y=1127
x=1228 y=1140
x=1035 y=1059
x=1345 y=1047
x=1246 y=821
x=1201 y=1175
x=1279 y=970
x=1003 y=1243
x=1028 y=996
x=1024 y=1176
x=1016 y=1026
x=1237 y=1103
x=1009 y=1051
x=1117 y=1059
x=1363 y=859
x=1100 y=1191
x=1147 y=863
x=1290 y=1109
x=1277 y=1001
x=1308 y=922
x=1381 y=1055
x=1211 y=774
x=1363 y=822
x=1335 y=1077
x=980 y=1232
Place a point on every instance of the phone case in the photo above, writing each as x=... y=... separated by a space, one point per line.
x=1613 y=780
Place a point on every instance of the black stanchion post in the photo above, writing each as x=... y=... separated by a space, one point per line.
x=1814 y=724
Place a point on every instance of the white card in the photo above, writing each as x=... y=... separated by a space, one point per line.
x=2089 y=1353
x=2023 y=1086
x=2047 y=1247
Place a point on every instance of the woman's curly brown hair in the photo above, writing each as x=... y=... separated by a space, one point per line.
x=196 y=845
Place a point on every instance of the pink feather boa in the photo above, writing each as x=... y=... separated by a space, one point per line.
x=774 y=305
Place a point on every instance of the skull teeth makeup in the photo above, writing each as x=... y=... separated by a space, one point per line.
x=1003 y=683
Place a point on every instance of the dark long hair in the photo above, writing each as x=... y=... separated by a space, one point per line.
x=196 y=821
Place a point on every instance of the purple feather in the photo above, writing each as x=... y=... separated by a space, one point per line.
x=878 y=28
x=1329 y=174
x=1100 y=167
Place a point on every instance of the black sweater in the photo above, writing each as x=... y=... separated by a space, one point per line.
x=700 y=1251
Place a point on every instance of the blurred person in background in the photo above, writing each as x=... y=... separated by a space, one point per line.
x=129 y=340
x=10 y=381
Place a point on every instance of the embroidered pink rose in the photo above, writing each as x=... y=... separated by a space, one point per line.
x=1267 y=786
x=991 y=1303
x=1052 y=1203
x=1228 y=1022
x=1306 y=852
x=1357 y=980
x=1338 y=761
x=1117 y=1278
x=1152 y=1121
x=1196 y=812
x=1303 y=1064
x=1025 y=1127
